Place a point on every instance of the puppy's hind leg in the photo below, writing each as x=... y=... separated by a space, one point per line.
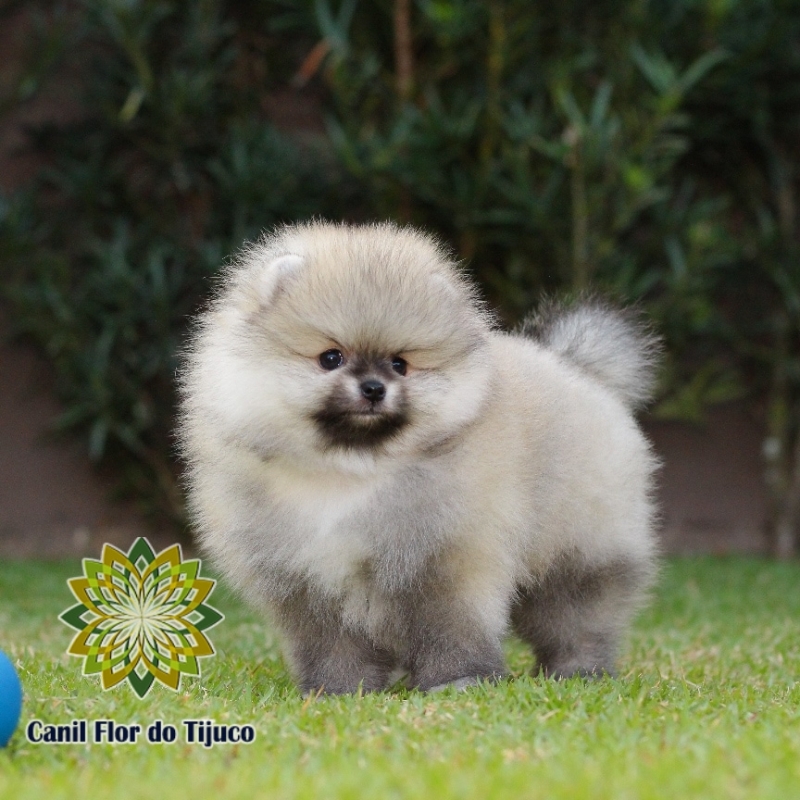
x=575 y=615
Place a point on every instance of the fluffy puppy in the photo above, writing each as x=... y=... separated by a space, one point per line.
x=398 y=482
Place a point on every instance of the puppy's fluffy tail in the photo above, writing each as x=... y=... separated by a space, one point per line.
x=612 y=344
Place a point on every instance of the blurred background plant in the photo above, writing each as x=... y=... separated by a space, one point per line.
x=170 y=167
x=647 y=148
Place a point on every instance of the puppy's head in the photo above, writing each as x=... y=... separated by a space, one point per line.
x=347 y=342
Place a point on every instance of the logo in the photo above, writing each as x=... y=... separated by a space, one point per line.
x=141 y=617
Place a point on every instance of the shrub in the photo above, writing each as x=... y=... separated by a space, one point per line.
x=647 y=148
x=171 y=167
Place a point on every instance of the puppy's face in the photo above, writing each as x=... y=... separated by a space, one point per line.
x=353 y=344
x=366 y=403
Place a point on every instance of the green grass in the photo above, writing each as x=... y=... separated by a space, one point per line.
x=707 y=705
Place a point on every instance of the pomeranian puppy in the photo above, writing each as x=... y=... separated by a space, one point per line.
x=400 y=483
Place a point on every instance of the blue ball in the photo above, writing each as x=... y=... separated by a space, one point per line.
x=10 y=699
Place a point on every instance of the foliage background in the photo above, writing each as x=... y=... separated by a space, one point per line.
x=645 y=147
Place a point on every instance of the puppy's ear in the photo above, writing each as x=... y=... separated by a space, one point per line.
x=276 y=273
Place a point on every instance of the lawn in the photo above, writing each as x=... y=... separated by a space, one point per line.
x=707 y=704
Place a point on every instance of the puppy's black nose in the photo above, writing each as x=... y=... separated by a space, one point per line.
x=374 y=391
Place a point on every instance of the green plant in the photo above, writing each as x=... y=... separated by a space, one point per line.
x=645 y=148
x=169 y=170
x=648 y=148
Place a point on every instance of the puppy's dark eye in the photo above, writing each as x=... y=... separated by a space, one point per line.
x=399 y=365
x=331 y=359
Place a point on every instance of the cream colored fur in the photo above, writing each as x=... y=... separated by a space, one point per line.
x=514 y=456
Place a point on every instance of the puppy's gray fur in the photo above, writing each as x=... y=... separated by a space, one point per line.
x=501 y=482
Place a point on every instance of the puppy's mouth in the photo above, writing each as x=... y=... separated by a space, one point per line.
x=366 y=427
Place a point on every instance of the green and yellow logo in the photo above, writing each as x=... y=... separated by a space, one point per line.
x=141 y=616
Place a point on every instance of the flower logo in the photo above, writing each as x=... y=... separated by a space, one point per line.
x=141 y=617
